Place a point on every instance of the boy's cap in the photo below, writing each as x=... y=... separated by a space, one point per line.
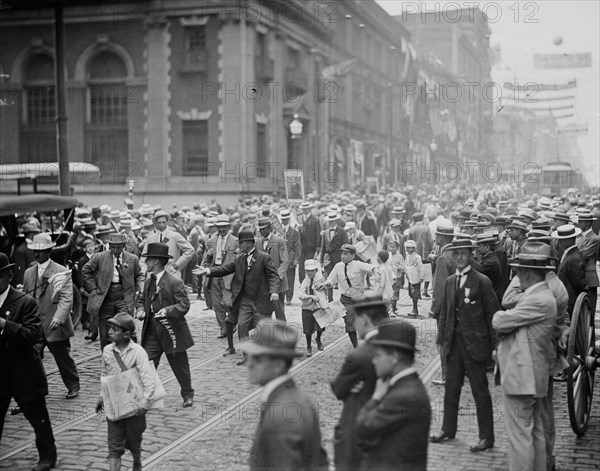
x=124 y=321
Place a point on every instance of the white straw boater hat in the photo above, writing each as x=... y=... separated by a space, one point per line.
x=566 y=231
x=534 y=255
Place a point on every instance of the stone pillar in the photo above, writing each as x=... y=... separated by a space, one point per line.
x=158 y=112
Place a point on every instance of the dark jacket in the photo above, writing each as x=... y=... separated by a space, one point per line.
x=285 y=441
x=173 y=332
x=330 y=247
x=22 y=374
x=395 y=430
x=490 y=267
x=357 y=367
x=474 y=313
x=369 y=226
x=256 y=282
x=310 y=233
x=571 y=271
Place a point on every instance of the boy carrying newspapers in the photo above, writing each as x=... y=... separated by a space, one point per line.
x=121 y=355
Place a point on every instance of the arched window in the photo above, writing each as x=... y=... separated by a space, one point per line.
x=106 y=129
x=38 y=132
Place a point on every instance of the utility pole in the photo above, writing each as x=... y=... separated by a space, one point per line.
x=64 y=187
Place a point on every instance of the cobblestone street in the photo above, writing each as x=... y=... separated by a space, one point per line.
x=216 y=433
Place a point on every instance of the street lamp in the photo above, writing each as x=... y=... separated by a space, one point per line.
x=296 y=127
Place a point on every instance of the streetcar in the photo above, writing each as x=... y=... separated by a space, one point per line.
x=556 y=178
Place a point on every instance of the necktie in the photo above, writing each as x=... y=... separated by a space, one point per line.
x=457 y=290
x=119 y=269
x=310 y=288
x=161 y=238
x=346 y=275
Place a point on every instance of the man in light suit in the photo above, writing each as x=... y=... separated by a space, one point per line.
x=292 y=241
x=54 y=295
x=588 y=246
x=466 y=337
x=165 y=329
x=113 y=279
x=275 y=246
x=571 y=269
x=523 y=359
x=220 y=250
x=179 y=248
x=355 y=382
x=282 y=441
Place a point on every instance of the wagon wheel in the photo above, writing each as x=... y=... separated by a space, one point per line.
x=77 y=307
x=582 y=364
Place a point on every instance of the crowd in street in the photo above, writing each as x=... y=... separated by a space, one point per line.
x=497 y=265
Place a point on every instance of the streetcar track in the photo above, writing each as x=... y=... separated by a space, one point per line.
x=173 y=447
x=71 y=424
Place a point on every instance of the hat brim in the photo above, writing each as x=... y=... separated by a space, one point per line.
x=392 y=343
x=538 y=267
x=40 y=247
x=252 y=348
x=569 y=236
x=156 y=255
x=247 y=240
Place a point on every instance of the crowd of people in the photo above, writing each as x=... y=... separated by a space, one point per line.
x=494 y=262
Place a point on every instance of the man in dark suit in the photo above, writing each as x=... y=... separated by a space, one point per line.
x=21 y=371
x=355 y=382
x=393 y=425
x=282 y=441
x=588 y=244
x=165 y=329
x=89 y=248
x=52 y=288
x=112 y=279
x=571 y=269
x=22 y=256
x=488 y=259
x=310 y=237
x=467 y=339
x=364 y=221
x=254 y=288
x=292 y=241
x=332 y=240
x=276 y=247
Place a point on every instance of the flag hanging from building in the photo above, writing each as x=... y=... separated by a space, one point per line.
x=562 y=61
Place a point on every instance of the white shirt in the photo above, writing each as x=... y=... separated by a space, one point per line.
x=371 y=333
x=220 y=245
x=357 y=274
x=42 y=268
x=272 y=385
x=159 y=276
x=4 y=295
x=462 y=274
x=249 y=257
x=266 y=242
x=398 y=376
x=115 y=277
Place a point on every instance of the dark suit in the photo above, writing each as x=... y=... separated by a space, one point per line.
x=310 y=240
x=571 y=271
x=23 y=258
x=22 y=374
x=105 y=299
x=490 y=267
x=292 y=241
x=357 y=367
x=171 y=334
x=467 y=339
x=277 y=250
x=394 y=431
x=369 y=226
x=286 y=441
x=250 y=288
x=331 y=247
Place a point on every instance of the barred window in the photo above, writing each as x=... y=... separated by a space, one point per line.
x=195 y=147
x=195 y=38
x=41 y=105
x=108 y=104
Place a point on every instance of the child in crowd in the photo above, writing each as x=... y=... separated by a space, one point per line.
x=415 y=274
x=385 y=277
x=396 y=261
x=126 y=433
x=310 y=304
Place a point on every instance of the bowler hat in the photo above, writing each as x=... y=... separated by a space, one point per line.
x=273 y=338
x=400 y=335
x=348 y=248
x=566 y=231
x=263 y=223
x=157 y=250
x=117 y=239
x=245 y=236
x=464 y=214
x=534 y=255
x=5 y=262
x=124 y=321
x=41 y=241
